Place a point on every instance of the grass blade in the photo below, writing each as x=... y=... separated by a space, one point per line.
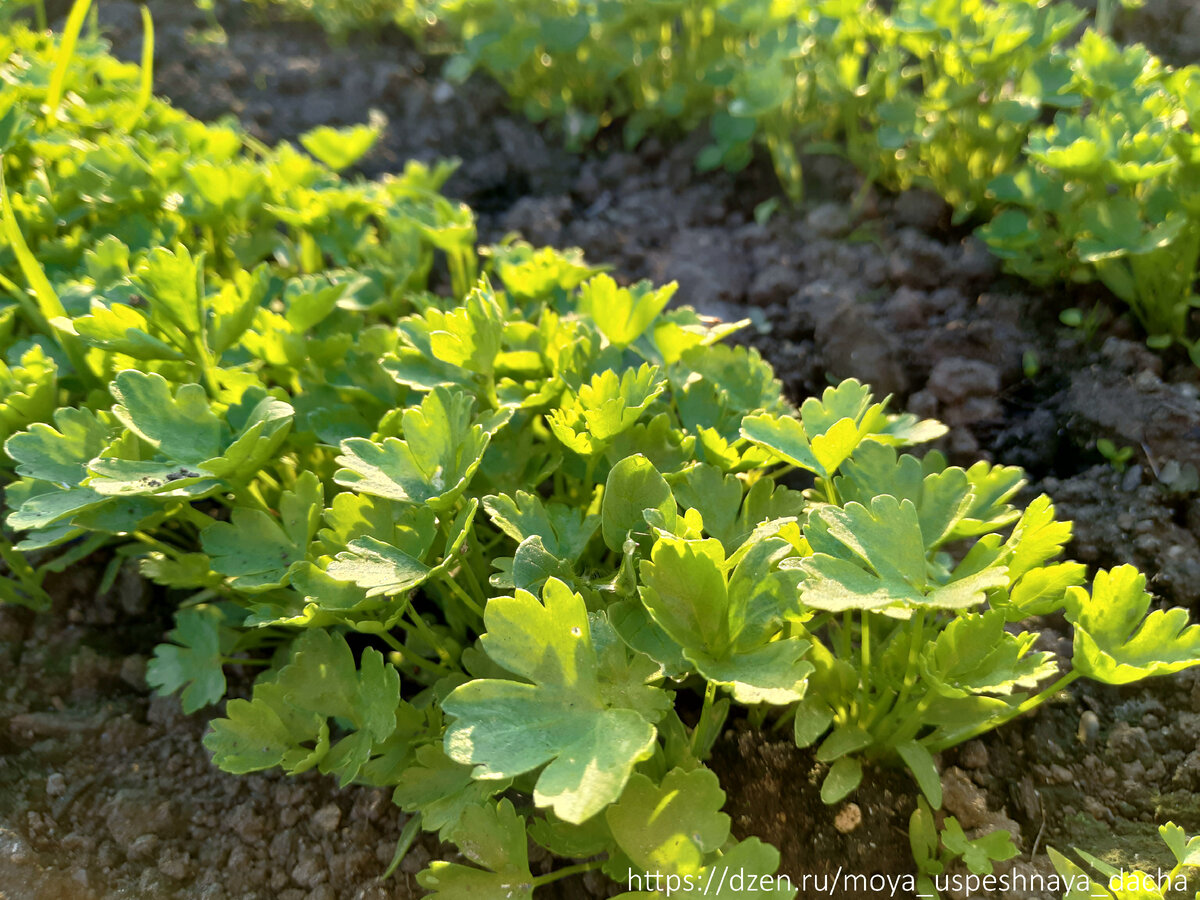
x=66 y=50
x=48 y=314
x=48 y=305
x=146 y=85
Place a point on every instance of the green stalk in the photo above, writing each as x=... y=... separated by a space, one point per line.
x=194 y=517
x=479 y=600
x=700 y=737
x=412 y=659
x=427 y=635
x=146 y=84
x=39 y=10
x=47 y=314
x=252 y=496
x=162 y=547
x=66 y=50
x=757 y=714
x=19 y=567
x=786 y=718
x=916 y=642
x=865 y=655
x=566 y=872
x=914 y=652
x=405 y=842
x=462 y=595
x=912 y=723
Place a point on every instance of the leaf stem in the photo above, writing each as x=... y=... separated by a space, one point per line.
x=457 y=590
x=566 y=872
x=411 y=658
x=173 y=552
x=911 y=722
x=700 y=736
x=428 y=636
x=916 y=642
x=405 y=842
x=865 y=655
x=480 y=596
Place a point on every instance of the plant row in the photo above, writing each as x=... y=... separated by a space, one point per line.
x=498 y=534
x=1080 y=158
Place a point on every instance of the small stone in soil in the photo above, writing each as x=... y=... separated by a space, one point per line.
x=56 y=785
x=849 y=817
x=327 y=818
x=1089 y=727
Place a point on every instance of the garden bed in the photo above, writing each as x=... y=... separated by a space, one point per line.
x=104 y=789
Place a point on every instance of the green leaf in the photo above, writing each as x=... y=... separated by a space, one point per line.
x=187 y=570
x=1042 y=591
x=59 y=454
x=262 y=423
x=844 y=776
x=743 y=379
x=349 y=516
x=266 y=732
x=634 y=485
x=182 y=427
x=441 y=790
x=717 y=495
x=874 y=557
x=773 y=673
x=1185 y=850
x=378 y=567
x=257 y=551
x=1116 y=642
x=171 y=280
x=122 y=329
x=286 y=721
x=51 y=507
x=565 y=530
x=920 y=763
x=192 y=660
x=632 y=621
x=845 y=739
x=813 y=718
x=1082 y=886
x=923 y=839
x=605 y=407
x=493 y=837
x=435 y=462
x=754 y=860
x=533 y=564
x=468 y=337
x=116 y=477
x=340 y=148
x=622 y=314
x=684 y=589
x=590 y=729
x=1036 y=538
x=785 y=437
x=975 y=654
x=978 y=854
x=671 y=827
x=942 y=498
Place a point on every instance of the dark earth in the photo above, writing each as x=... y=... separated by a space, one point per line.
x=105 y=789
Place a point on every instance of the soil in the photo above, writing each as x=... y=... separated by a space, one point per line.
x=106 y=791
